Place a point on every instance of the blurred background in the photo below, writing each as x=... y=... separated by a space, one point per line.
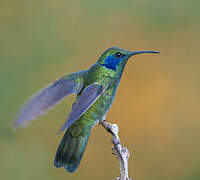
x=157 y=103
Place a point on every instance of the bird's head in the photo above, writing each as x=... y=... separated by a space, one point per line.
x=115 y=58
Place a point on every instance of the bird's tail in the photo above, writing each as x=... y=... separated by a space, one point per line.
x=72 y=147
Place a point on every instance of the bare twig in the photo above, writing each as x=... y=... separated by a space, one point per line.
x=120 y=151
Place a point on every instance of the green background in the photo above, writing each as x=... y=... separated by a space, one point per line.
x=157 y=103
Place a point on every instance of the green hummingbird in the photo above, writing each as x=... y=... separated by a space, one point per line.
x=95 y=89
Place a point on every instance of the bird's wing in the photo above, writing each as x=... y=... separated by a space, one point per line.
x=48 y=97
x=87 y=98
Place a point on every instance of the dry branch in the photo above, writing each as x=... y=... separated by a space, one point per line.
x=120 y=151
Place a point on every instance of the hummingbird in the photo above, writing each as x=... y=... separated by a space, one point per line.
x=95 y=91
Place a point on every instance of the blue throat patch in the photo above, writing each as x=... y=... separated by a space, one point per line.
x=111 y=62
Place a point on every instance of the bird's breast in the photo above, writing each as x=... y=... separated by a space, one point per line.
x=100 y=107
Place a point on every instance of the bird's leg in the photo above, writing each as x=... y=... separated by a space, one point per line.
x=120 y=151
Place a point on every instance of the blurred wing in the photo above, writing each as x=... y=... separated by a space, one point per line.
x=84 y=102
x=45 y=99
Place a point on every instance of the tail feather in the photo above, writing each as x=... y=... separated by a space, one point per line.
x=70 y=150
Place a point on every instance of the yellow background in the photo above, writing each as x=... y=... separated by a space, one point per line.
x=157 y=103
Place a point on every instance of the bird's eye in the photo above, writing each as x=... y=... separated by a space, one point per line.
x=118 y=54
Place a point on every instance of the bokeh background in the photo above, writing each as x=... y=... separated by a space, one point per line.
x=157 y=103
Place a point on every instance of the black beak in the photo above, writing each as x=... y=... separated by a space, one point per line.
x=140 y=52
